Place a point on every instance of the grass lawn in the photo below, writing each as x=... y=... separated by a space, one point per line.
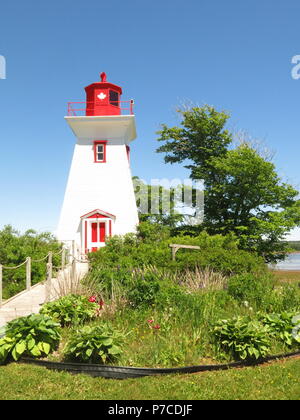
x=276 y=381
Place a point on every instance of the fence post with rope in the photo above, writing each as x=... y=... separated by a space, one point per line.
x=48 y=282
x=63 y=258
x=1 y=285
x=28 y=273
x=28 y=262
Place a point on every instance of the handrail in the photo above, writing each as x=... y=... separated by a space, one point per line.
x=72 y=111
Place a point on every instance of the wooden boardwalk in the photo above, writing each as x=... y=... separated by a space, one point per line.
x=28 y=302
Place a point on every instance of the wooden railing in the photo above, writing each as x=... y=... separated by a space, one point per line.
x=176 y=247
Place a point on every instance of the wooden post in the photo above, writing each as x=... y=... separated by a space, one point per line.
x=1 y=295
x=174 y=250
x=63 y=258
x=48 y=282
x=73 y=249
x=50 y=255
x=73 y=272
x=28 y=273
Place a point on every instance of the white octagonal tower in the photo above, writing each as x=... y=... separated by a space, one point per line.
x=99 y=200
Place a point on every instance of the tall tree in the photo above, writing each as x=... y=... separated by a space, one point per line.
x=243 y=192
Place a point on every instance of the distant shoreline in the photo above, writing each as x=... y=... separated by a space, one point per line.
x=291 y=263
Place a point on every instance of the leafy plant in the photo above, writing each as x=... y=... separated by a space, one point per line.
x=97 y=344
x=286 y=297
x=33 y=335
x=281 y=325
x=144 y=290
x=71 y=309
x=242 y=338
x=256 y=290
x=108 y=281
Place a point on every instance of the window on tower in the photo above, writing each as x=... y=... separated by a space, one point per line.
x=114 y=98
x=100 y=151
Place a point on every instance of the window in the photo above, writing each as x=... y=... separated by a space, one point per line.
x=100 y=151
x=114 y=98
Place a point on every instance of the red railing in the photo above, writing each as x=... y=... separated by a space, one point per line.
x=86 y=108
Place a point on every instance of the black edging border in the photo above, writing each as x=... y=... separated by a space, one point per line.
x=122 y=372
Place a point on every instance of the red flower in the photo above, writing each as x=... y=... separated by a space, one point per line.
x=150 y=321
x=101 y=303
x=92 y=299
x=156 y=327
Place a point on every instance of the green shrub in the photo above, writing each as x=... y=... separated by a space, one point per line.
x=107 y=281
x=253 y=290
x=172 y=295
x=220 y=253
x=70 y=309
x=150 y=232
x=97 y=344
x=33 y=335
x=154 y=287
x=286 y=298
x=144 y=290
x=241 y=338
x=281 y=326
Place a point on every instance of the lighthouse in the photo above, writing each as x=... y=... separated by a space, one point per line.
x=99 y=199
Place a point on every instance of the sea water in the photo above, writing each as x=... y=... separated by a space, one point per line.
x=292 y=262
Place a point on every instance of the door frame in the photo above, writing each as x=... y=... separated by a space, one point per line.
x=97 y=216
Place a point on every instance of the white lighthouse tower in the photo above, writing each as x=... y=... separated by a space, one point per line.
x=99 y=200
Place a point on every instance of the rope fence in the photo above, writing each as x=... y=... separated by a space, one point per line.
x=13 y=268
x=67 y=259
x=42 y=259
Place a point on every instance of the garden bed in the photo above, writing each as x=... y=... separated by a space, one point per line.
x=163 y=317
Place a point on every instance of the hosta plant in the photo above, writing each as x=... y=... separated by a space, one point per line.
x=97 y=344
x=33 y=335
x=282 y=326
x=71 y=309
x=242 y=338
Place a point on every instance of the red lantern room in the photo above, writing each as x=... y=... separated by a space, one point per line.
x=103 y=98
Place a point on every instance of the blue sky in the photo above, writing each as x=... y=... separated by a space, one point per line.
x=235 y=55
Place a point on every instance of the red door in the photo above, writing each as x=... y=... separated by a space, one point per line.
x=97 y=235
x=102 y=231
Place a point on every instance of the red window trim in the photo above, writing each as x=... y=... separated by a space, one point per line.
x=103 y=142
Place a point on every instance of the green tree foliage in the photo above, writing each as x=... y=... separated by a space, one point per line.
x=243 y=193
x=16 y=247
x=202 y=137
